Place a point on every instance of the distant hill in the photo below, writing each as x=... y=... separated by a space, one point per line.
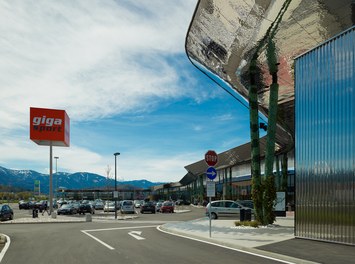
x=24 y=179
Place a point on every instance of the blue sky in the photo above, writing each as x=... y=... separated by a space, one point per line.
x=120 y=71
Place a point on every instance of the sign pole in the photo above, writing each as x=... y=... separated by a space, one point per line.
x=50 y=177
x=209 y=213
x=211 y=159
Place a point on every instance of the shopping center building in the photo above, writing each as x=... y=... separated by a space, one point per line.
x=315 y=135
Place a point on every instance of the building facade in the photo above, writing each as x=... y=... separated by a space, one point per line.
x=325 y=141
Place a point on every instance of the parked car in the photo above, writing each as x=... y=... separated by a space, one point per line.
x=167 y=207
x=66 y=209
x=76 y=205
x=247 y=203
x=182 y=202
x=41 y=205
x=23 y=204
x=224 y=208
x=138 y=203
x=127 y=207
x=6 y=212
x=86 y=208
x=99 y=206
x=148 y=207
x=158 y=206
x=109 y=207
x=61 y=202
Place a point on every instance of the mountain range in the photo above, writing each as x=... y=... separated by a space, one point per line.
x=25 y=179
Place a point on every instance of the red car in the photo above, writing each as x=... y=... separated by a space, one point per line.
x=167 y=207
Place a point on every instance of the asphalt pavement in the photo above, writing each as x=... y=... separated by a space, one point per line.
x=276 y=241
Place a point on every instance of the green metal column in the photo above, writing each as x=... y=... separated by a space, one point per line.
x=254 y=136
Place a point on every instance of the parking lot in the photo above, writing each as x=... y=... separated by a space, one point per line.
x=193 y=213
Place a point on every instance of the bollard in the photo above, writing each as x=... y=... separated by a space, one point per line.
x=88 y=218
x=54 y=215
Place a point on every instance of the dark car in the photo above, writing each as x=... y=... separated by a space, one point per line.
x=23 y=205
x=182 y=202
x=66 y=209
x=6 y=212
x=167 y=207
x=41 y=205
x=148 y=207
x=86 y=208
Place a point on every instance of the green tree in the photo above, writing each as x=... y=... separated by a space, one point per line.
x=263 y=188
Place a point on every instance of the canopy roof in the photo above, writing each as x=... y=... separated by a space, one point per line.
x=224 y=36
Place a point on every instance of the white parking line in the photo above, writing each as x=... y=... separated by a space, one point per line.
x=98 y=240
x=7 y=244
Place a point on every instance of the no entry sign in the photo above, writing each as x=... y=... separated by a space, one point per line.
x=211 y=158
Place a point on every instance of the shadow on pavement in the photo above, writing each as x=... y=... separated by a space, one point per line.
x=318 y=251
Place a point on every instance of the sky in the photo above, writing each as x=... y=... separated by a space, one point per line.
x=120 y=71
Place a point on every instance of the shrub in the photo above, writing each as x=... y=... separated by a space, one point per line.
x=247 y=223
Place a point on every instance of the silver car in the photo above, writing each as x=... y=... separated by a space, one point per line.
x=224 y=208
x=127 y=207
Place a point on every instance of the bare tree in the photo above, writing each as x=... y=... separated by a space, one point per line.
x=108 y=175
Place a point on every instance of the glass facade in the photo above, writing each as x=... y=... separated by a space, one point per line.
x=325 y=141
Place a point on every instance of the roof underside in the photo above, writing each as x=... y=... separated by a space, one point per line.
x=223 y=37
x=229 y=158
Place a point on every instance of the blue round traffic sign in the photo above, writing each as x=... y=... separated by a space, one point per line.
x=211 y=173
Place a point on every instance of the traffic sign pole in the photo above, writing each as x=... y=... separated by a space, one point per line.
x=211 y=192
x=209 y=213
x=211 y=159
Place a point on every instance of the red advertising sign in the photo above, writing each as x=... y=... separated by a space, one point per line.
x=49 y=126
x=211 y=158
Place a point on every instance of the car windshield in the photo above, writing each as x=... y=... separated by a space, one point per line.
x=168 y=204
x=66 y=206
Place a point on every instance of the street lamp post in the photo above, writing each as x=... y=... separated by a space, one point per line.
x=116 y=154
x=56 y=177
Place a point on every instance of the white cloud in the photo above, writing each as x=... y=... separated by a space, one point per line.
x=94 y=59
x=91 y=58
x=225 y=117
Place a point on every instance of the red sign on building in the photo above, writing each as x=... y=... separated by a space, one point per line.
x=49 y=126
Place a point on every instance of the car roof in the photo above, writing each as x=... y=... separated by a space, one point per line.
x=224 y=201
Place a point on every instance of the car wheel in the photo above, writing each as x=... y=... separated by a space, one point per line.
x=11 y=217
x=214 y=216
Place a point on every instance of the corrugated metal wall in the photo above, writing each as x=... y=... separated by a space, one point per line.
x=325 y=141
